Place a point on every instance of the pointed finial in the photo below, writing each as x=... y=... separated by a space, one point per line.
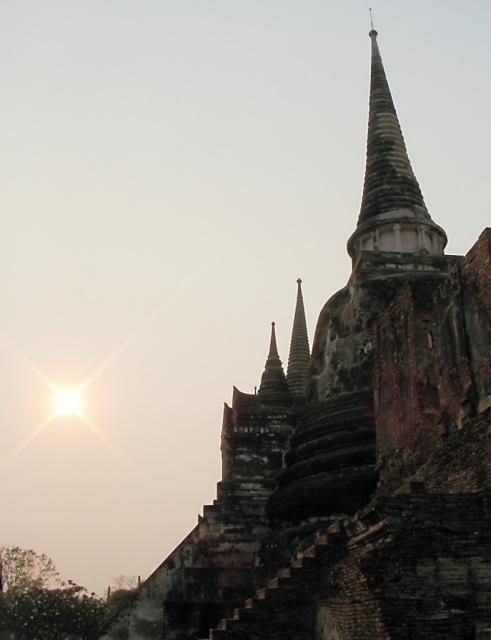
x=273 y=349
x=274 y=388
x=299 y=357
x=373 y=34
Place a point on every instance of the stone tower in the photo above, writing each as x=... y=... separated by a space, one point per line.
x=331 y=468
x=219 y=563
x=354 y=500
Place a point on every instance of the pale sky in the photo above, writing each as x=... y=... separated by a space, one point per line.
x=169 y=169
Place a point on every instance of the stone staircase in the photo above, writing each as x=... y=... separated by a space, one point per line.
x=285 y=607
x=408 y=567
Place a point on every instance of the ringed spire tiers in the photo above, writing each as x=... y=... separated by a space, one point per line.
x=274 y=388
x=393 y=215
x=330 y=467
x=299 y=357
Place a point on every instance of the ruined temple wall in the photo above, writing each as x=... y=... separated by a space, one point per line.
x=142 y=617
x=406 y=388
x=432 y=371
x=414 y=569
x=253 y=443
x=217 y=565
x=202 y=580
x=462 y=464
x=409 y=567
x=463 y=336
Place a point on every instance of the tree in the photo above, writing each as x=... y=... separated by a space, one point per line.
x=35 y=604
x=121 y=592
x=129 y=583
x=53 y=614
x=23 y=569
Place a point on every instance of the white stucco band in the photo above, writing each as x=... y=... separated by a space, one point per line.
x=398 y=232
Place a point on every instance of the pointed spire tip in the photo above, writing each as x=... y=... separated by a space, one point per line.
x=373 y=33
x=299 y=357
x=273 y=389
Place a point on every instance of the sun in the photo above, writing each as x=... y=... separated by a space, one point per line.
x=67 y=401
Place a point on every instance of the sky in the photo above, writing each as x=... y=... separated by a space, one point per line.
x=169 y=168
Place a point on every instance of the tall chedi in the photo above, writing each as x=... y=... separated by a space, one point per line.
x=299 y=358
x=393 y=215
x=276 y=388
x=331 y=464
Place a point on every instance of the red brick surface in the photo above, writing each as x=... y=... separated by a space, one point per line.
x=432 y=362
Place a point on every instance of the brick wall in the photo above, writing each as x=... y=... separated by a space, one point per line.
x=463 y=336
x=463 y=463
x=410 y=568
x=406 y=387
x=432 y=362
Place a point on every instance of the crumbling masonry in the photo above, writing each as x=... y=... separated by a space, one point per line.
x=355 y=497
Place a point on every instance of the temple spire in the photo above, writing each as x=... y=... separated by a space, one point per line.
x=274 y=388
x=389 y=179
x=391 y=191
x=299 y=357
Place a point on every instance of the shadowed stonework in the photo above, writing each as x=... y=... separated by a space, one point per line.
x=356 y=489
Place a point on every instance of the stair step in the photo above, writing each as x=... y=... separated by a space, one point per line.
x=218 y=634
x=284 y=579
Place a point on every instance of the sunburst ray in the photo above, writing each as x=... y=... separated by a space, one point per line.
x=28 y=439
x=114 y=449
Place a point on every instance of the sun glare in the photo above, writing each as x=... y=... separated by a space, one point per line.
x=67 y=401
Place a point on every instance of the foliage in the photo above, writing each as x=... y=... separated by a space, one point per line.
x=30 y=609
x=125 y=582
x=24 y=569
x=119 y=598
x=53 y=614
x=121 y=592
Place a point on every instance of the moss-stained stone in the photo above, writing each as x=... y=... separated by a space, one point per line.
x=360 y=511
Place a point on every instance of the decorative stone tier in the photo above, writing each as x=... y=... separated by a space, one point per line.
x=397 y=232
x=330 y=465
x=331 y=462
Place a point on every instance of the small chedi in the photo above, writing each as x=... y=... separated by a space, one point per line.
x=355 y=494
